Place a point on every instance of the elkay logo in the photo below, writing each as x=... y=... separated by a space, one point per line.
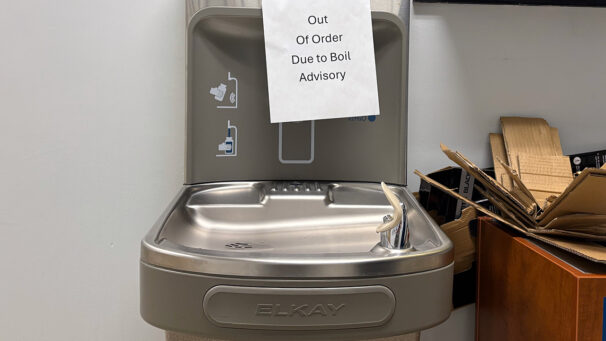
x=302 y=310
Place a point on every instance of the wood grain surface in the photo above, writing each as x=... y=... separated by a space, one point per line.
x=526 y=293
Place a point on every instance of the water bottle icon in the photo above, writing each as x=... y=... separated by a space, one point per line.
x=229 y=147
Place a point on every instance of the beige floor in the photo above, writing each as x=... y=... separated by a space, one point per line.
x=172 y=336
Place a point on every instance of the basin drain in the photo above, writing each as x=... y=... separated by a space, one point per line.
x=239 y=246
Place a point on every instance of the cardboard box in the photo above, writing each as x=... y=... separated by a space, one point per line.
x=529 y=158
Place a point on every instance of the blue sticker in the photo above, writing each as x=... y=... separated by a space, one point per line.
x=370 y=118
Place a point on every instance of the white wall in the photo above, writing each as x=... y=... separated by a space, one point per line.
x=91 y=135
x=91 y=151
x=470 y=64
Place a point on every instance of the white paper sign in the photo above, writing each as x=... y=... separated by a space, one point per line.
x=320 y=59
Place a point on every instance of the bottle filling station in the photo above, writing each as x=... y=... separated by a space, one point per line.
x=283 y=231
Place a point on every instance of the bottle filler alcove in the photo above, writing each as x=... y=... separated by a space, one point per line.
x=273 y=235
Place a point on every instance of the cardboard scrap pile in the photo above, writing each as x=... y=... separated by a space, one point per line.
x=535 y=191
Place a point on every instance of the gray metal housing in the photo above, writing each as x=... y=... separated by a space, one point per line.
x=249 y=241
x=173 y=300
x=273 y=235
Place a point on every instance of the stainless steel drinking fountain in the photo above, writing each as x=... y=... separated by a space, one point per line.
x=273 y=236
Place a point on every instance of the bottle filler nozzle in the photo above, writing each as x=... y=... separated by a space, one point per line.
x=394 y=230
x=396 y=238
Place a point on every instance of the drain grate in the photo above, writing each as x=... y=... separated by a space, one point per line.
x=239 y=245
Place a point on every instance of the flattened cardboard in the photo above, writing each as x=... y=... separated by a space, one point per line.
x=594 y=230
x=556 y=166
x=586 y=194
x=578 y=213
x=520 y=191
x=532 y=136
x=487 y=181
x=471 y=203
x=578 y=235
x=586 y=249
x=573 y=220
x=555 y=137
x=521 y=194
x=544 y=175
x=544 y=182
x=497 y=146
x=515 y=219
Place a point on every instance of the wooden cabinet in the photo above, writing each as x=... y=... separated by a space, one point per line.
x=530 y=291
